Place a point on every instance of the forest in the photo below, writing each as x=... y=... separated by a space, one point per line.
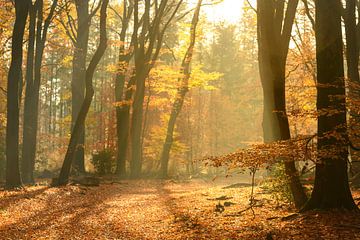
x=179 y=119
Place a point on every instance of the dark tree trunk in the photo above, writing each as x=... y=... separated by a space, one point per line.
x=180 y=96
x=123 y=109
x=26 y=163
x=13 y=179
x=123 y=127
x=331 y=188
x=147 y=47
x=137 y=121
x=78 y=77
x=89 y=93
x=31 y=105
x=274 y=32
x=352 y=55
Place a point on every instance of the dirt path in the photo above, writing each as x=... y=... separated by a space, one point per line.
x=158 y=210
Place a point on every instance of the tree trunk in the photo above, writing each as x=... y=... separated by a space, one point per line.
x=123 y=110
x=31 y=105
x=180 y=96
x=89 y=93
x=78 y=77
x=274 y=32
x=136 y=123
x=26 y=163
x=352 y=55
x=122 y=127
x=331 y=188
x=13 y=179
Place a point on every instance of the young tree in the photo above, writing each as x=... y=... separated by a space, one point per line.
x=331 y=188
x=180 y=96
x=13 y=178
x=274 y=31
x=89 y=93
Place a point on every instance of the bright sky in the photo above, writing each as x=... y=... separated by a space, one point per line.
x=228 y=11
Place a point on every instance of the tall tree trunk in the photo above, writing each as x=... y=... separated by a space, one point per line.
x=137 y=121
x=274 y=32
x=180 y=96
x=13 y=178
x=352 y=55
x=331 y=188
x=147 y=47
x=123 y=110
x=123 y=127
x=89 y=93
x=78 y=77
x=26 y=164
x=31 y=105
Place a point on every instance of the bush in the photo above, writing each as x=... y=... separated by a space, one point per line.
x=104 y=161
x=277 y=184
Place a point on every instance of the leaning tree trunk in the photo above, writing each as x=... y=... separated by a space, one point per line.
x=13 y=178
x=78 y=77
x=89 y=93
x=331 y=187
x=180 y=96
x=274 y=32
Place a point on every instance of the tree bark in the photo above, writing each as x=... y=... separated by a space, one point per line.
x=352 y=56
x=274 y=32
x=331 y=187
x=123 y=110
x=180 y=96
x=31 y=104
x=13 y=178
x=89 y=93
x=78 y=77
x=26 y=163
x=147 y=47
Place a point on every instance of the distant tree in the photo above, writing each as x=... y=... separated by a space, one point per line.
x=181 y=92
x=13 y=178
x=331 y=188
x=275 y=21
x=89 y=93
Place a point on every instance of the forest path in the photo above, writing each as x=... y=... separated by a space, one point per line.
x=152 y=209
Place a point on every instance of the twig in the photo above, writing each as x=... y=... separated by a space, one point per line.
x=3 y=90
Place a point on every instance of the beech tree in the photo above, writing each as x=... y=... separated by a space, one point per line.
x=331 y=187
x=275 y=21
x=13 y=179
x=352 y=30
x=33 y=82
x=183 y=88
x=123 y=92
x=89 y=93
x=147 y=42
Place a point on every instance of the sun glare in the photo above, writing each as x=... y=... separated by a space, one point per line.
x=226 y=11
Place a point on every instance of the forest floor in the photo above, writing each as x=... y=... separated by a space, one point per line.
x=154 y=209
